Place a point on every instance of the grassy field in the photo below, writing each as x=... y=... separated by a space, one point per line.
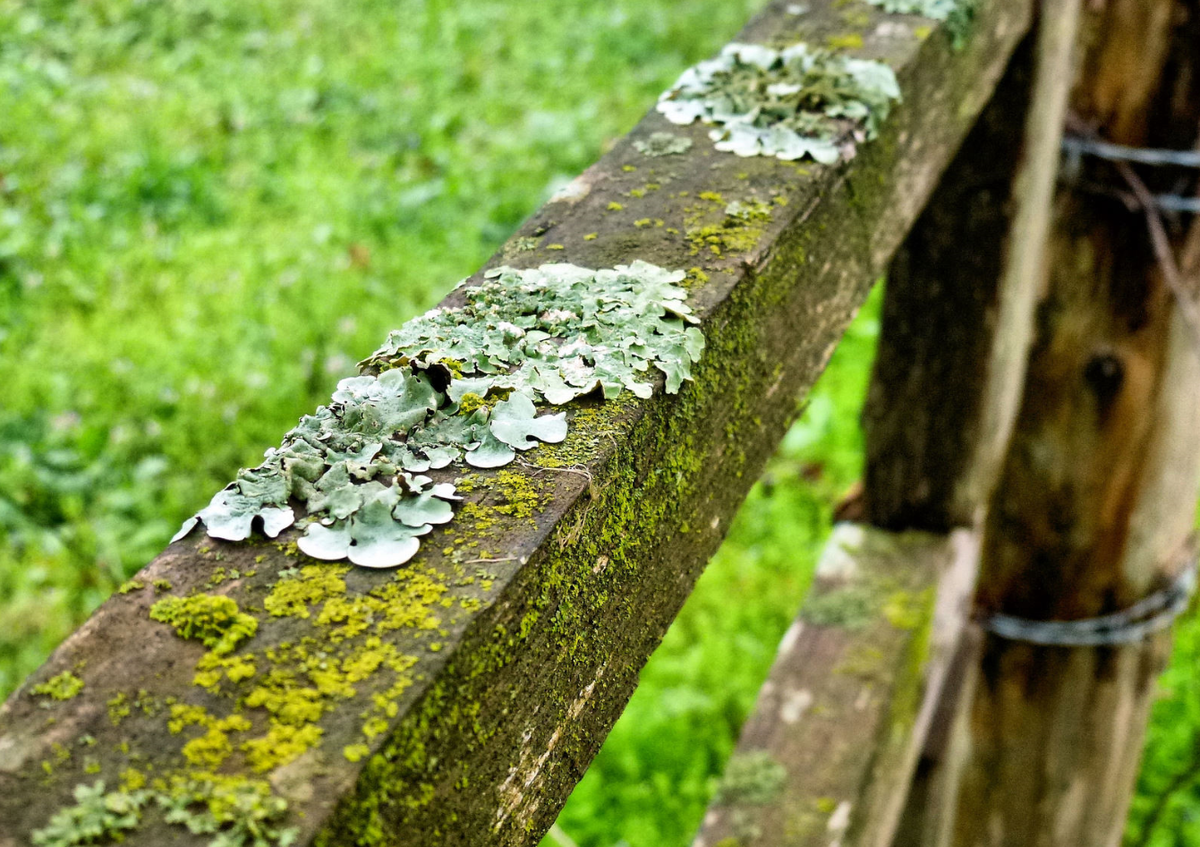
x=210 y=209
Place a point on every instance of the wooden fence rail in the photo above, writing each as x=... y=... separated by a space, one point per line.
x=458 y=699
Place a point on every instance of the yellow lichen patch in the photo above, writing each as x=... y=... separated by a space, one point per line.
x=847 y=41
x=405 y=602
x=212 y=667
x=118 y=708
x=355 y=752
x=282 y=743
x=724 y=238
x=316 y=583
x=213 y=748
x=184 y=715
x=521 y=497
x=213 y=619
x=470 y=402
x=695 y=276
x=280 y=694
x=62 y=687
x=132 y=779
x=385 y=707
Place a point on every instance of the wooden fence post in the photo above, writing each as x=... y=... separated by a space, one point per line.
x=958 y=320
x=1098 y=490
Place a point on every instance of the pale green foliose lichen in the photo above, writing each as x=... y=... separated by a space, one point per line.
x=788 y=103
x=236 y=812
x=96 y=818
x=752 y=778
x=663 y=144
x=958 y=14
x=459 y=384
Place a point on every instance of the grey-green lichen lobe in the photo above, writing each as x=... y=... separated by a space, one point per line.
x=460 y=384
x=96 y=818
x=236 y=812
x=849 y=606
x=663 y=144
x=959 y=15
x=753 y=778
x=791 y=103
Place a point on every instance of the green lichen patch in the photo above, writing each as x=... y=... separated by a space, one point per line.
x=460 y=385
x=791 y=103
x=62 y=687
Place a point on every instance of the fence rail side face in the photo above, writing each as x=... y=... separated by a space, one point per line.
x=459 y=699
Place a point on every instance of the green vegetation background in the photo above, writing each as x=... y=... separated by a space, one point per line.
x=210 y=209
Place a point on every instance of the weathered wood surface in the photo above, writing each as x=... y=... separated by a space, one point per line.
x=1098 y=491
x=924 y=408
x=508 y=648
x=829 y=751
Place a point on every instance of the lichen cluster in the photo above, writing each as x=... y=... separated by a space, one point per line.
x=958 y=15
x=459 y=384
x=237 y=812
x=753 y=778
x=62 y=687
x=97 y=817
x=277 y=696
x=212 y=619
x=939 y=10
x=788 y=103
x=663 y=144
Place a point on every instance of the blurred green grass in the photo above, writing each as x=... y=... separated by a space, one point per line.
x=209 y=209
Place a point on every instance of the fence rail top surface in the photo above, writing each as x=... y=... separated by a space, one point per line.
x=243 y=693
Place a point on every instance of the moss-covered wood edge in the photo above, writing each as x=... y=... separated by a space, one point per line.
x=458 y=699
x=829 y=751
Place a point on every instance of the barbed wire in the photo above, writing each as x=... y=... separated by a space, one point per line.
x=1075 y=146
x=1079 y=141
x=1144 y=618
